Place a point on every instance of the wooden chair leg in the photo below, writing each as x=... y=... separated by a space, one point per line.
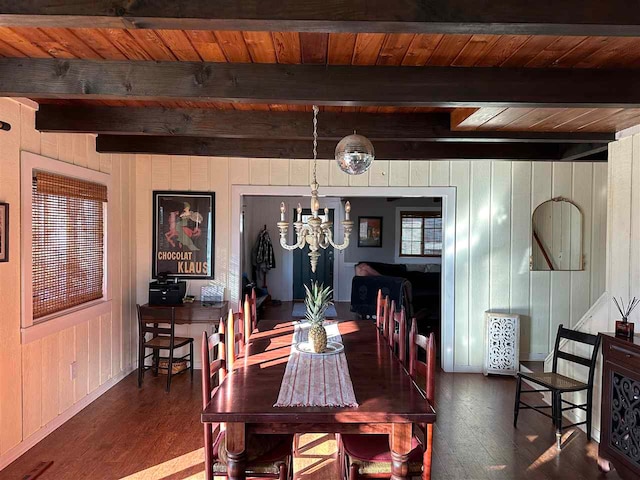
x=156 y=362
x=589 y=413
x=558 y=414
x=141 y=352
x=353 y=472
x=169 y=370
x=283 y=472
x=516 y=408
x=208 y=445
x=191 y=358
x=428 y=454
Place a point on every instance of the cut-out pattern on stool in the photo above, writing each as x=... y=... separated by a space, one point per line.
x=502 y=340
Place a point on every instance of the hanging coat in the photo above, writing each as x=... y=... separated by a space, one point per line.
x=264 y=257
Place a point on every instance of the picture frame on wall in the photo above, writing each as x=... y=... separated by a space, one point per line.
x=370 y=232
x=184 y=234
x=4 y=232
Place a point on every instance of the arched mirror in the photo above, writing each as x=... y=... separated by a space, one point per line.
x=556 y=239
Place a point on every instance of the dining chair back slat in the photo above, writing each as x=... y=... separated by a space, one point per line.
x=210 y=370
x=234 y=339
x=254 y=310
x=385 y=317
x=379 y=310
x=391 y=323
x=399 y=335
x=248 y=316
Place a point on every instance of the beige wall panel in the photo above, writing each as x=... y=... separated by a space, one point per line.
x=94 y=354
x=82 y=361
x=238 y=170
x=180 y=173
x=200 y=174
x=521 y=249
x=439 y=173
x=500 y=224
x=49 y=144
x=66 y=349
x=79 y=144
x=299 y=172
x=259 y=171
x=29 y=136
x=105 y=163
x=379 y=173
x=580 y=280
x=479 y=273
x=105 y=347
x=65 y=147
x=220 y=174
x=279 y=171
x=32 y=387
x=418 y=173
x=93 y=157
x=160 y=172
x=10 y=353
x=399 y=173
x=144 y=222
x=461 y=174
x=359 y=180
x=50 y=384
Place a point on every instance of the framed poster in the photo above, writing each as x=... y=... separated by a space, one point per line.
x=4 y=232
x=183 y=234
x=369 y=231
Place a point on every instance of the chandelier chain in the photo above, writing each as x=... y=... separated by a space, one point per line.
x=315 y=141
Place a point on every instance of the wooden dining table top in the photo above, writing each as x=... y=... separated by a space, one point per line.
x=384 y=390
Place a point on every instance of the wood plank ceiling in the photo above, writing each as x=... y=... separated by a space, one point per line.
x=391 y=49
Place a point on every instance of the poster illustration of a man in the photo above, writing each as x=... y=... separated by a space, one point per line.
x=184 y=233
x=180 y=224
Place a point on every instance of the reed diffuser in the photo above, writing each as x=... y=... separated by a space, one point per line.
x=624 y=328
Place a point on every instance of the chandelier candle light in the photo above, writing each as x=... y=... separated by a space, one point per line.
x=315 y=232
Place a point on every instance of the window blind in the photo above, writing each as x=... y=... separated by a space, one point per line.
x=67 y=243
x=420 y=234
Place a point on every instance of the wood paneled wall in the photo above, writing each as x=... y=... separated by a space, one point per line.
x=35 y=379
x=495 y=203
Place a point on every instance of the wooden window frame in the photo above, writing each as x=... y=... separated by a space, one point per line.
x=424 y=212
x=58 y=321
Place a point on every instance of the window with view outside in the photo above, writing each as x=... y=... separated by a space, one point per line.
x=420 y=234
x=68 y=242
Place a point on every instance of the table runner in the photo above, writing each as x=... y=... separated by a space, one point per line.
x=316 y=380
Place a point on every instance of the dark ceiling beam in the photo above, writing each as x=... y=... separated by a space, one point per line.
x=584 y=151
x=543 y=17
x=385 y=150
x=325 y=85
x=434 y=127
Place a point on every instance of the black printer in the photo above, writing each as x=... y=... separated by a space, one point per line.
x=165 y=291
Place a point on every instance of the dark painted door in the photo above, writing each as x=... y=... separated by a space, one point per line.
x=302 y=274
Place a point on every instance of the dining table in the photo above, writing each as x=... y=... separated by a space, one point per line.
x=388 y=400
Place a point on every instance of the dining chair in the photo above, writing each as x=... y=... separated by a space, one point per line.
x=268 y=456
x=558 y=384
x=236 y=344
x=399 y=335
x=369 y=456
x=386 y=310
x=379 y=309
x=162 y=338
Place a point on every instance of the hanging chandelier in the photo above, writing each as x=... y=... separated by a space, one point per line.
x=316 y=232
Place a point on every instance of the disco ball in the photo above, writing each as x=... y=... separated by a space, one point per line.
x=354 y=154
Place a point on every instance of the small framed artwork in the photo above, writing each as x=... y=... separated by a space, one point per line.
x=369 y=231
x=4 y=232
x=184 y=234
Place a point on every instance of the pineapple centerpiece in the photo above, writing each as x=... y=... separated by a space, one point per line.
x=318 y=299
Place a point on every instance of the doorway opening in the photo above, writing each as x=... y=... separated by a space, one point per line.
x=255 y=207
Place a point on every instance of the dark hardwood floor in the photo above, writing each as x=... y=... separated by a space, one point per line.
x=132 y=433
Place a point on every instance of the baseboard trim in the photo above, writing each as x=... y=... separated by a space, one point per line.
x=20 y=449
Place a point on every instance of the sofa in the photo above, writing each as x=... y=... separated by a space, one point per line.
x=418 y=291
